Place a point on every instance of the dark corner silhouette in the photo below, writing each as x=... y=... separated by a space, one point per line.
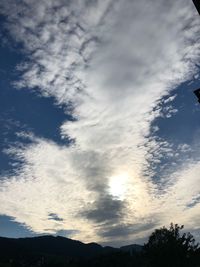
x=197 y=93
x=197 y=5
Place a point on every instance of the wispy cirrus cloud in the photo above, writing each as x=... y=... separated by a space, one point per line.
x=112 y=63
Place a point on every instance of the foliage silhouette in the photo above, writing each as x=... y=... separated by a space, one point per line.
x=170 y=248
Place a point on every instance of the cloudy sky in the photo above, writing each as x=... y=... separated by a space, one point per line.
x=99 y=126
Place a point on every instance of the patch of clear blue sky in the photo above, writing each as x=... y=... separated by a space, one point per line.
x=24 y=110
x=182 y=128
x=10 y=228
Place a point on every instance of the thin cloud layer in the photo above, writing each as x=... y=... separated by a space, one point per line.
x=112 y=63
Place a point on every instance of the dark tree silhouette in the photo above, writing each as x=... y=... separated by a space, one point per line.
x=171 y=248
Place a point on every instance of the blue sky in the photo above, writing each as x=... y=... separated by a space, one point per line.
x=100 y=128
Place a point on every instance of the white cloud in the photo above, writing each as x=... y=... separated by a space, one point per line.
x=113 y=62
x=46 y=184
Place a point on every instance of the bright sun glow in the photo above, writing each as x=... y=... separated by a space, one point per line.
x=118 y=185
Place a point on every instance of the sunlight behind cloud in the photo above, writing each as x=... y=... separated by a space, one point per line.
x=118 y=185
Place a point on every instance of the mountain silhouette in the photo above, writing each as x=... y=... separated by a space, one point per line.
x=50 y=245
x=57 y=251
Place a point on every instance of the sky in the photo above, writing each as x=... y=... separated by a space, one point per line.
x=99 y=126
